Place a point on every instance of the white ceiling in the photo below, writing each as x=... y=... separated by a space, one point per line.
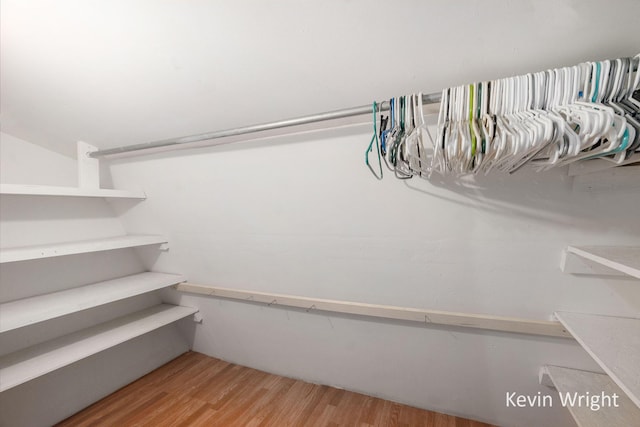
x=121 y=72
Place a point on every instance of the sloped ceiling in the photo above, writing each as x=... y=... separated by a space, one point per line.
x=120 y=72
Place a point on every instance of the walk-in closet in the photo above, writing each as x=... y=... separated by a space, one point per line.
x=297 y=213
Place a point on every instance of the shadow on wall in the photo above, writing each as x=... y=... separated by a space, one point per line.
x=546 y=196
x=495 y=194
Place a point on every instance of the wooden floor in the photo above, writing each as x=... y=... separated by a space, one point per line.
x=197 y=390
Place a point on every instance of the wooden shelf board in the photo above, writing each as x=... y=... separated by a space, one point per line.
x=24 y=312
x=579 y=382
x=613 y=342
x=46 y=190
x=24 y=253
x=24 y=365
x=423 y=316
x=619 y=258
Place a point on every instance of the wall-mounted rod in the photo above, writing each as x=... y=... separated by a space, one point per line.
x=432 y=98
x=430 y=317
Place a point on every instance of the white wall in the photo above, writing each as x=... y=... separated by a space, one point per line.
x=43 y=220
x=128 y=72
x=308 y=219
x=22 y=162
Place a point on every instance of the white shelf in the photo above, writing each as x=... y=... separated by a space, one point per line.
x=25 y=365
x=45 y=190
x=619 y=258
x=613 y=342
x=24 y=312
x=24 y=253
x=579 y=382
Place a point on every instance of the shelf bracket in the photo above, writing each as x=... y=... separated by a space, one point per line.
x=544 y=378
x=88 y=167
x=574 y=264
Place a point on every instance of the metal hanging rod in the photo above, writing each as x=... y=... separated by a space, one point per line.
x=432 y=98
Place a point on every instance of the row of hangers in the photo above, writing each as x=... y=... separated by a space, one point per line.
x=547 y=119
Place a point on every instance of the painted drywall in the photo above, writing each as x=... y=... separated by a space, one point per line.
x=22 y=162
x=307 y=218
x=123 y=72
x=30 y=220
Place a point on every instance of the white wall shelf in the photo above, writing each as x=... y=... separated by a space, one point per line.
x=572 y=381
x=24 y=365
x=24 y=312
x=619 y=258
x=24 y=253
x=46 y=190
x=613 y=342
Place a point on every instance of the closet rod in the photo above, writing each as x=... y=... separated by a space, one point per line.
x=432 y=98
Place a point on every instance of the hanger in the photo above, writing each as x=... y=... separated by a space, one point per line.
x=416 y=153
x=547 y=119
x=382 y=133
x=374 y=138
x=400 y=168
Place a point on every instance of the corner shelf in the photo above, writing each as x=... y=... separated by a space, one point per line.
x=24 y=253
x=46 y=190
x=570 y=381
x=613 y=342
x=28 y=311
x=24 y=365
x=619 y=258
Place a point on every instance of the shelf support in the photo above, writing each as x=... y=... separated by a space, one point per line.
x=575 y=264
x=608 y=260
x=422 y=316
x=197 y=317
x=88 y=167
x=544 y=378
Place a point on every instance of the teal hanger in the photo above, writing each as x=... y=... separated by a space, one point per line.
x=374 y=138
x=597 y=83
x=623 y=146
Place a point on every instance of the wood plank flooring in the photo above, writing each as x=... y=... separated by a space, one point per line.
x=197 y=390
